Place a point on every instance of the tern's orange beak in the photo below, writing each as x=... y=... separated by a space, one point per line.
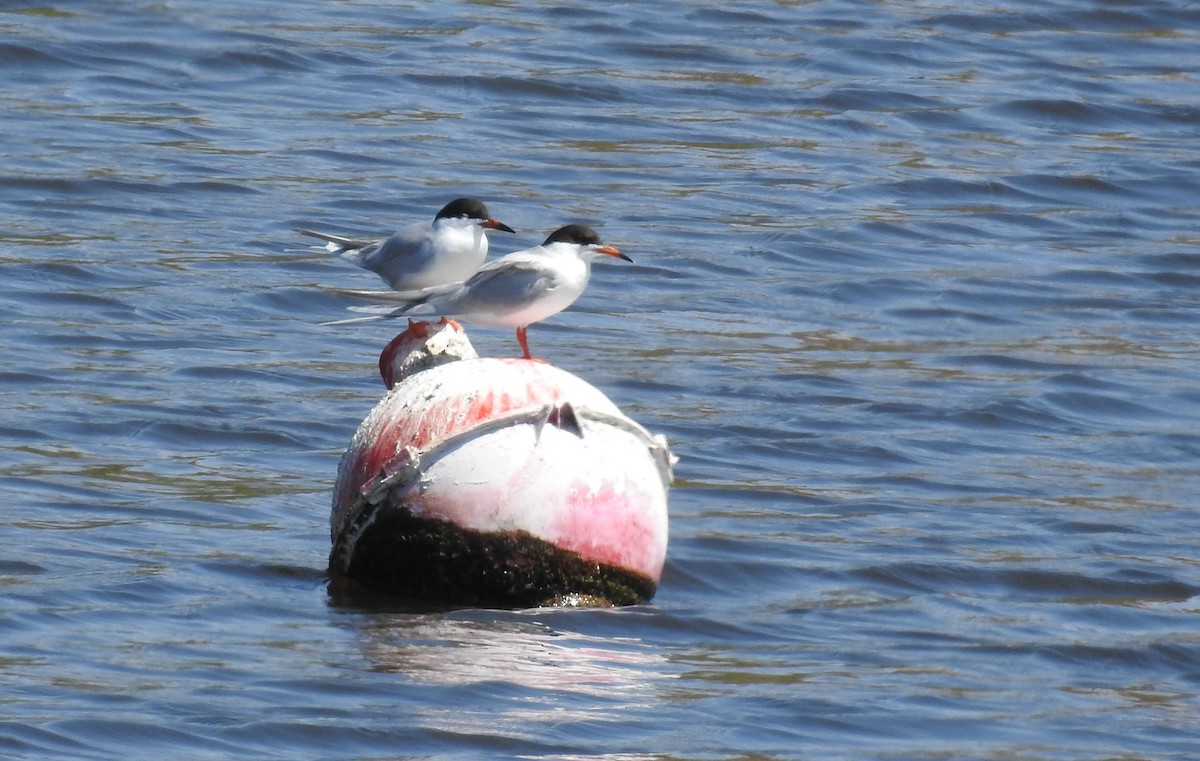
x=612 y=251
x=494 y=224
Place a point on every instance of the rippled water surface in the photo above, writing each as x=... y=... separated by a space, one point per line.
x=916 y=300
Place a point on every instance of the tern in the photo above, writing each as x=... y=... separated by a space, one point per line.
x=514 y=291
x=425 y=254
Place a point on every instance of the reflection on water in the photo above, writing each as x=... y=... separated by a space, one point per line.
x=521 y=673
x=446 y=649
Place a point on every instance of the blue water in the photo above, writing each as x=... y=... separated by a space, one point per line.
x=916 y=300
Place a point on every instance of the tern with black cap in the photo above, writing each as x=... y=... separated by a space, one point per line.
x=449 y=249
x=514 y=291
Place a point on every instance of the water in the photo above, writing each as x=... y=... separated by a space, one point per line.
x=916 y=300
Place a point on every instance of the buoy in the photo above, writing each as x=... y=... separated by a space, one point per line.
x=498 y=482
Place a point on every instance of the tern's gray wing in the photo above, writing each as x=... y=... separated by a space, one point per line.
x=502 y=286
x=415 y=303
x=395 y=297
x=340 y=243
x=404 y=252
x=373 y=317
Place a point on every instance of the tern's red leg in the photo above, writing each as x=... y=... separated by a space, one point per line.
x=525 y=347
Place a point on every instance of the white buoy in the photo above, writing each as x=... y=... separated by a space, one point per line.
x=490 y=481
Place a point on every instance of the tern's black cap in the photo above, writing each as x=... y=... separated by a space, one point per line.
x=582 y=235
x=579 y=234
x=464 y=207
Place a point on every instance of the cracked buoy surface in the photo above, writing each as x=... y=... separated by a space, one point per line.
x=508 y=482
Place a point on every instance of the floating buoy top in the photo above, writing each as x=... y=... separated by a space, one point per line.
x=498 y=481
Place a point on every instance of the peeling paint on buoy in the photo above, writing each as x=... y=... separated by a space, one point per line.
x=498 y=482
